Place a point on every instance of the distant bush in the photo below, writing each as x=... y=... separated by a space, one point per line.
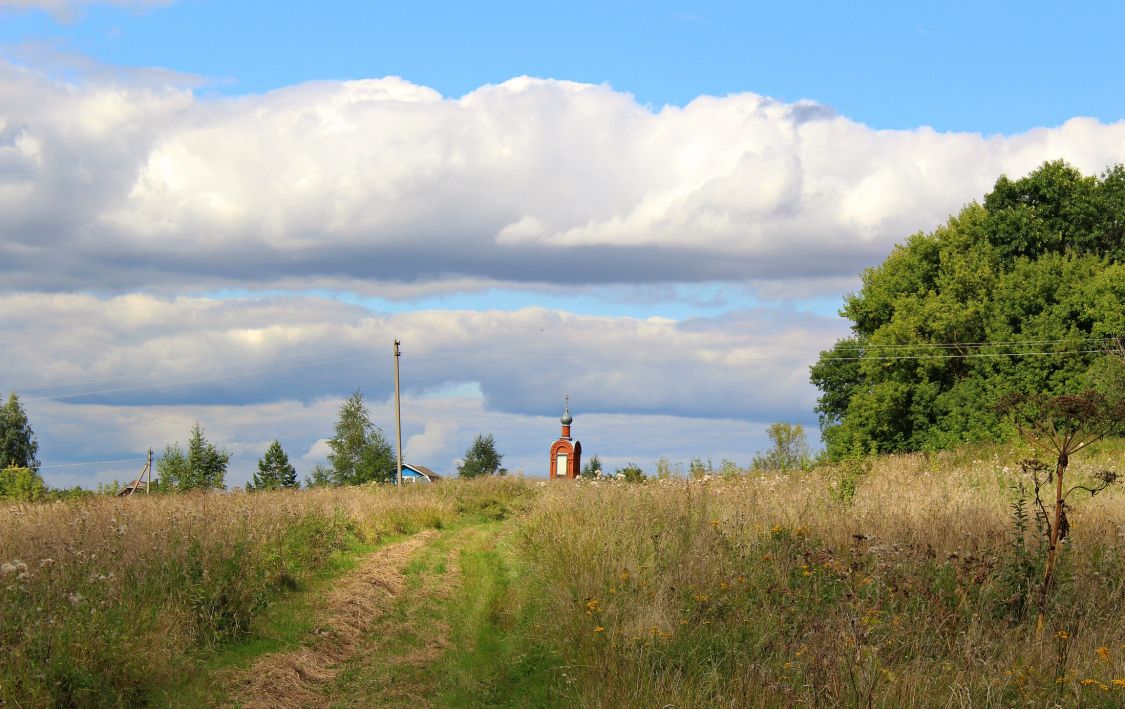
x=21 y=485
x=630 y=473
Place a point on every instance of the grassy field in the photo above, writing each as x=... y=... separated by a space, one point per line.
x=897 y=581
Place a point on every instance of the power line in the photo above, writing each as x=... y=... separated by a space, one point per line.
x=91 y=462
x=619 y=358
x=78 y=382
x=96 y=380
x=194 y=380
x=970 y=355
x=995 y=343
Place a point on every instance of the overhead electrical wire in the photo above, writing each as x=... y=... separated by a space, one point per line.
x=90 y=462
x=194 y=380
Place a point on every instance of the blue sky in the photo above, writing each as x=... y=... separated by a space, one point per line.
x=214 y=206
x=969 y=66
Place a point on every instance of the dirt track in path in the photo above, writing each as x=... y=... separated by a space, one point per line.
x=302 y=677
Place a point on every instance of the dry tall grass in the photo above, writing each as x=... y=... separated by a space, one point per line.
x=776 y=590
x=103 y=599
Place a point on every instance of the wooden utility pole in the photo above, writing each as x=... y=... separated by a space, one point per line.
x=148 y=484
x=398 y=418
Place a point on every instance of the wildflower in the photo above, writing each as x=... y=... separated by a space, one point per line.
x=7 y=568
x=599 y=629
x=1120 y=682
x=1062 y=635
x=788 y=666
x=767 y=557
x=1103 y=653
x=74 y=598
x=592 y=604
x=1091 y=682
x=624 y=576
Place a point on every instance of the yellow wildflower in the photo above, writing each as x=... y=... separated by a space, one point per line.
x=599 y=629
x=1120 y=682
x=788 y=665
x=1062 y=635
x=1103 y=653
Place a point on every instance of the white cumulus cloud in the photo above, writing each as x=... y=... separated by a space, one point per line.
x=121 y=187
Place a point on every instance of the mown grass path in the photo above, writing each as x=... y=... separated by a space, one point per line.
x=430 y=621
x=454 y=636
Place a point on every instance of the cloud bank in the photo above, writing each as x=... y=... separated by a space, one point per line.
x=145 y=350
x=121 y=187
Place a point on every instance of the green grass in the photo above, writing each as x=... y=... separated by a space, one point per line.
x=498 y=663
x=281 y=626
x=459 y=636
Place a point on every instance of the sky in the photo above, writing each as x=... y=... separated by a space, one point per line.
x=226 y=212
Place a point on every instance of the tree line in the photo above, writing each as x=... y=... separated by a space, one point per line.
x=359 y=453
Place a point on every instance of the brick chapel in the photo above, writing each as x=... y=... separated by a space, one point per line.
x=566 y=455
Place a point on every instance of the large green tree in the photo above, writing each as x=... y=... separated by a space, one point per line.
x=18 y=446
x=274 y=470
x=201 y=467
x=481 y=458
x=360 y=452
x=1022 y=293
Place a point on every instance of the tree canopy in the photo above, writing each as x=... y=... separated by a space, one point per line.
x=360 y=452
x=202 y=467
x=789 y=449
x=481 y=458
x=274 y=470
x=1024 y=293
x=18 y=446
